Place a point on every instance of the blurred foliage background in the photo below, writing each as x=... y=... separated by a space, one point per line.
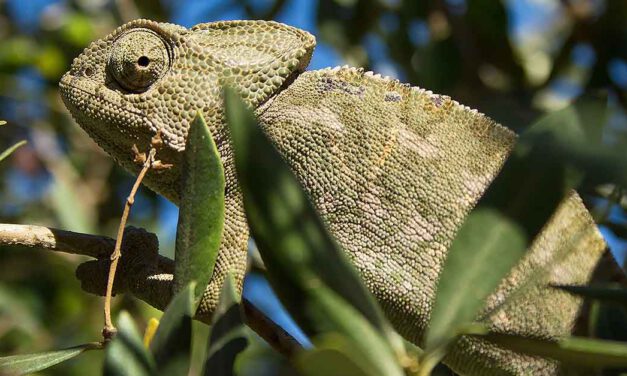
x=511 y=59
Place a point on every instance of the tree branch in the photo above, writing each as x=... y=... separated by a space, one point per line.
x=101 y=248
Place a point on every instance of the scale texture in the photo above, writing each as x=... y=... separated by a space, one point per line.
x=392 y=169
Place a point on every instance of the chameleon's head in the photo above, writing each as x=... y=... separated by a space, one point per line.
x=147 y=77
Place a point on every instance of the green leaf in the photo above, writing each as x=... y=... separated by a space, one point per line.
x=306 y=267
x=229 y=335
x=126 y=354
x=334 y=355
x=259 y=359
x=508 y=217
x=201 y=211
x=3 y=122
x=29 y=363
x=334 y=315
x=608 y=293
x=485 y=249
x=11 y=149
x=294 y=244
x=172 y=341
x=573 y=350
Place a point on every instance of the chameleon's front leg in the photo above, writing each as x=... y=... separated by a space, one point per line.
x=142 y=274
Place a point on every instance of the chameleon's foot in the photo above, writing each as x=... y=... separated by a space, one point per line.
x=140 y=250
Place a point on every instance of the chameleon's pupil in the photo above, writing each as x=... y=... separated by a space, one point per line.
x=143 y=61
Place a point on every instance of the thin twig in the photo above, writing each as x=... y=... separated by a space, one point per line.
x=109 y=330
x=10 y=150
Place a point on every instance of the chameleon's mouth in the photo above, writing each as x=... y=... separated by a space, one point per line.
x=100 y=111
x=116 y=127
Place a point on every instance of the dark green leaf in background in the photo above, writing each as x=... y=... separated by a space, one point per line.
x=229 y=334
x=172 y=341
x=572 y=350
x=610 y=293
x=126 y=354
x=334 y=355
x=201 y=211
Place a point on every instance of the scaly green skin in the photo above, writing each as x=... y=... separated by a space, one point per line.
x=392 y=169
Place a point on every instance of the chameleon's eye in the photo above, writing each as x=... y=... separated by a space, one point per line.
x=138 y=59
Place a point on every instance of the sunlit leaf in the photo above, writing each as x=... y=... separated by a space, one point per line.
x=29 y=363
x=485 y=234
x=201 y=211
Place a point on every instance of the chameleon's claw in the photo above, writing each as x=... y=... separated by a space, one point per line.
x=140 y=158
x=156 y=141
x=158 y=165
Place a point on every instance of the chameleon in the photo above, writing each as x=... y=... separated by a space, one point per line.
x=392 y=169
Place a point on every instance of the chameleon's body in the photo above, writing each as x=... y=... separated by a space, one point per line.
x=393 y=170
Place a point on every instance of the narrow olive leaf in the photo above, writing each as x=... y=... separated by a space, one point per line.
x=609 y=293
x=485 y=249
x=29 y=363
x=333 y=355
x=126 y=354
x=172 y=341
x=11 y=149
x=333 y=314
x=573 y=350
x=201 y=210
x=229 y=336
x=294 y=243
x=508 y=217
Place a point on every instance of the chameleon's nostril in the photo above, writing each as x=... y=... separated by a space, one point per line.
x=88 y=72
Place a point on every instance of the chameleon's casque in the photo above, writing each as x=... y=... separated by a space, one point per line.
x=392 y=169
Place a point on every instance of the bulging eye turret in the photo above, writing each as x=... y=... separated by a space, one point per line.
x=138 y=59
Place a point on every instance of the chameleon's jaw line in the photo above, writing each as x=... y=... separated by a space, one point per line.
x=101 y=117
